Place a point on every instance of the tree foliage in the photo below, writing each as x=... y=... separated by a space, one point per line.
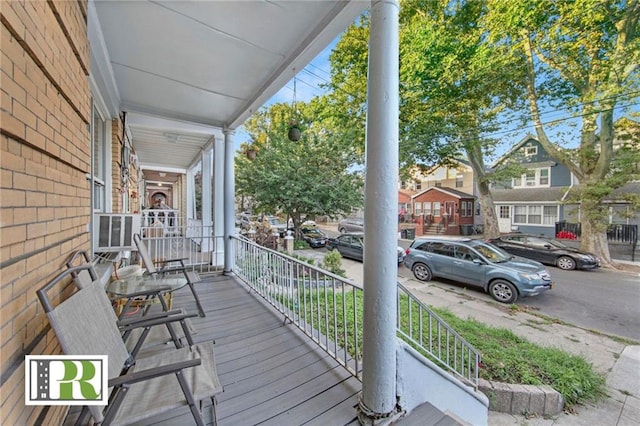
x=581 y=56
x=301 y=179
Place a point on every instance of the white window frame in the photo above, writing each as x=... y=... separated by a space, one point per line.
x=535 y=181
x=436 y=208
x=426 y=207
x=101 y=179
x=530 y=151
x=530 y=211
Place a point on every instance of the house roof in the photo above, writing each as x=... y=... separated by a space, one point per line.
x=445 y=190
x=520 y=195
x=404 y=195
x=513 y=149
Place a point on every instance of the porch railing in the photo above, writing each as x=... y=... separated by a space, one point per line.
x=170 y=236
x=328 y=309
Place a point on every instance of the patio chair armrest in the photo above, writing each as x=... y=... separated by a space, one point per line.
x=151 y=373
x=163 y=314
x=165 y=261
x=145 y=322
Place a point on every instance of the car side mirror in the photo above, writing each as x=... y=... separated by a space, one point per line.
x=547 y=246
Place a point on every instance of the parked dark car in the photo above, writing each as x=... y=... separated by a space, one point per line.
x=477 y=263
x=351 y=224
x=314 y=237
x=351 y=245
x=546 y=250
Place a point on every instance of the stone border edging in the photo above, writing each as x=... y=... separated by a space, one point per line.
x=517 y=399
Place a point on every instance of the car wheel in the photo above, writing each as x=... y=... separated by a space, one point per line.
x=565 y=262
x=422 y=272
x=503 y=291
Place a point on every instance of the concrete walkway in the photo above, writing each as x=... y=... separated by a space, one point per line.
x=617 y=360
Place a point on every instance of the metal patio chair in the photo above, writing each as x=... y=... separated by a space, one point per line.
x=136 y=338
x=139 y=388
x=178 y=266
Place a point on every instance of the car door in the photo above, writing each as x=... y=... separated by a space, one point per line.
x=464 y=269
x=514 y=244
x=539 y=249
x=441 y=259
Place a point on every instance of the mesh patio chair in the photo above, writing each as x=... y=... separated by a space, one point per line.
x=139 y=338
x=191 y=276
x=139 y=388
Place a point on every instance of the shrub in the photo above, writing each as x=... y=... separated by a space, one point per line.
x=332 y=262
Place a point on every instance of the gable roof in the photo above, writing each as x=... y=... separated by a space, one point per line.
x=514 y=148
x=445 y=190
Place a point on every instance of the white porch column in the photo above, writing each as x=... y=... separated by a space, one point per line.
x=207 y=195
x=191 y=194
x=218 y=199
x=229 y=200
x=378 y=399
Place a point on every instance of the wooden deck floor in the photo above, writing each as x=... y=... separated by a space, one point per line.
x=272 y=374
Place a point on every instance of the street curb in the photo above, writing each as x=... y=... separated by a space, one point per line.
x=522 y=399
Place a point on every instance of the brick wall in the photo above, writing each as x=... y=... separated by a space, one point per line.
x=45 y=197
x=116 y=158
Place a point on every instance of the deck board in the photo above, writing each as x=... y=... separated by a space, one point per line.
x=272 y=373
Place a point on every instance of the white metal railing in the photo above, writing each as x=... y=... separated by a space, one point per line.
x=328 y=309
x=170 y=236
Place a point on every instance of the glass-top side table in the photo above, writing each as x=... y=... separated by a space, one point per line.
x=125 y=289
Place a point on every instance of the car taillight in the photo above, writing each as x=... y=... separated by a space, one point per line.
x=406 y=251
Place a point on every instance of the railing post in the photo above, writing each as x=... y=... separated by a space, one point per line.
x=229 y=200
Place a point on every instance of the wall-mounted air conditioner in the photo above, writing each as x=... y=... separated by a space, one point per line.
x=114 y=232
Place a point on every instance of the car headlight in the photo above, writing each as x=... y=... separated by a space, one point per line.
x=529 y=276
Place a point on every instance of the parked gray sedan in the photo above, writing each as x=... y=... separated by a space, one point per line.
x=474 y=262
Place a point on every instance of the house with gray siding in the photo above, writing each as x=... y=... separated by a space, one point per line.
x=534 y=201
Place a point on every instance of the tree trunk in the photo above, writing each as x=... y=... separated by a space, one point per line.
x=594 y=240
x=491 y=229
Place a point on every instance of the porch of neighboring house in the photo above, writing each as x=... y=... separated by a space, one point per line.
x=444 y=211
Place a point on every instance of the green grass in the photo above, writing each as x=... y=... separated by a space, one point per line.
x=506 y=357
x=509 y=358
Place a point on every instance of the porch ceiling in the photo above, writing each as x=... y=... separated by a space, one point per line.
x=184 y=70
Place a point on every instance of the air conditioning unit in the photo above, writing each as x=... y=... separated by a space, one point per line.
x=114 y=232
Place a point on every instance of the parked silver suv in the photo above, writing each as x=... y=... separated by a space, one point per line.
x=351 y=224
x=475 y=262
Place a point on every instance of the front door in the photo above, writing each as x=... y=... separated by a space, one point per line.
x=504 y=218
x=449 y=209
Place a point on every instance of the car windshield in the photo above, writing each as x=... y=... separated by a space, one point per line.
x=492 y=253
x=313 y=233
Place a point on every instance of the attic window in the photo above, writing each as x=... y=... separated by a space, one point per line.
x=530 y=151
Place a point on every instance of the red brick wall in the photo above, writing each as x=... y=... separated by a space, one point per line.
x=44 y=194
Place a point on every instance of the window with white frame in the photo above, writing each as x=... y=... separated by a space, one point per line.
x=99 y=159
x=436 y=208
x=530 y=151
x=535 y=215
x=505 y=212
x=418 y=185
x=532 y=178
x=418 y=208
x=520 y=214
x=427 y=207
x=459 y=181
x=549 y=215
x=466 y=208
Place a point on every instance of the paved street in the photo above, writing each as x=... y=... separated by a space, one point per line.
x=600 y=300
